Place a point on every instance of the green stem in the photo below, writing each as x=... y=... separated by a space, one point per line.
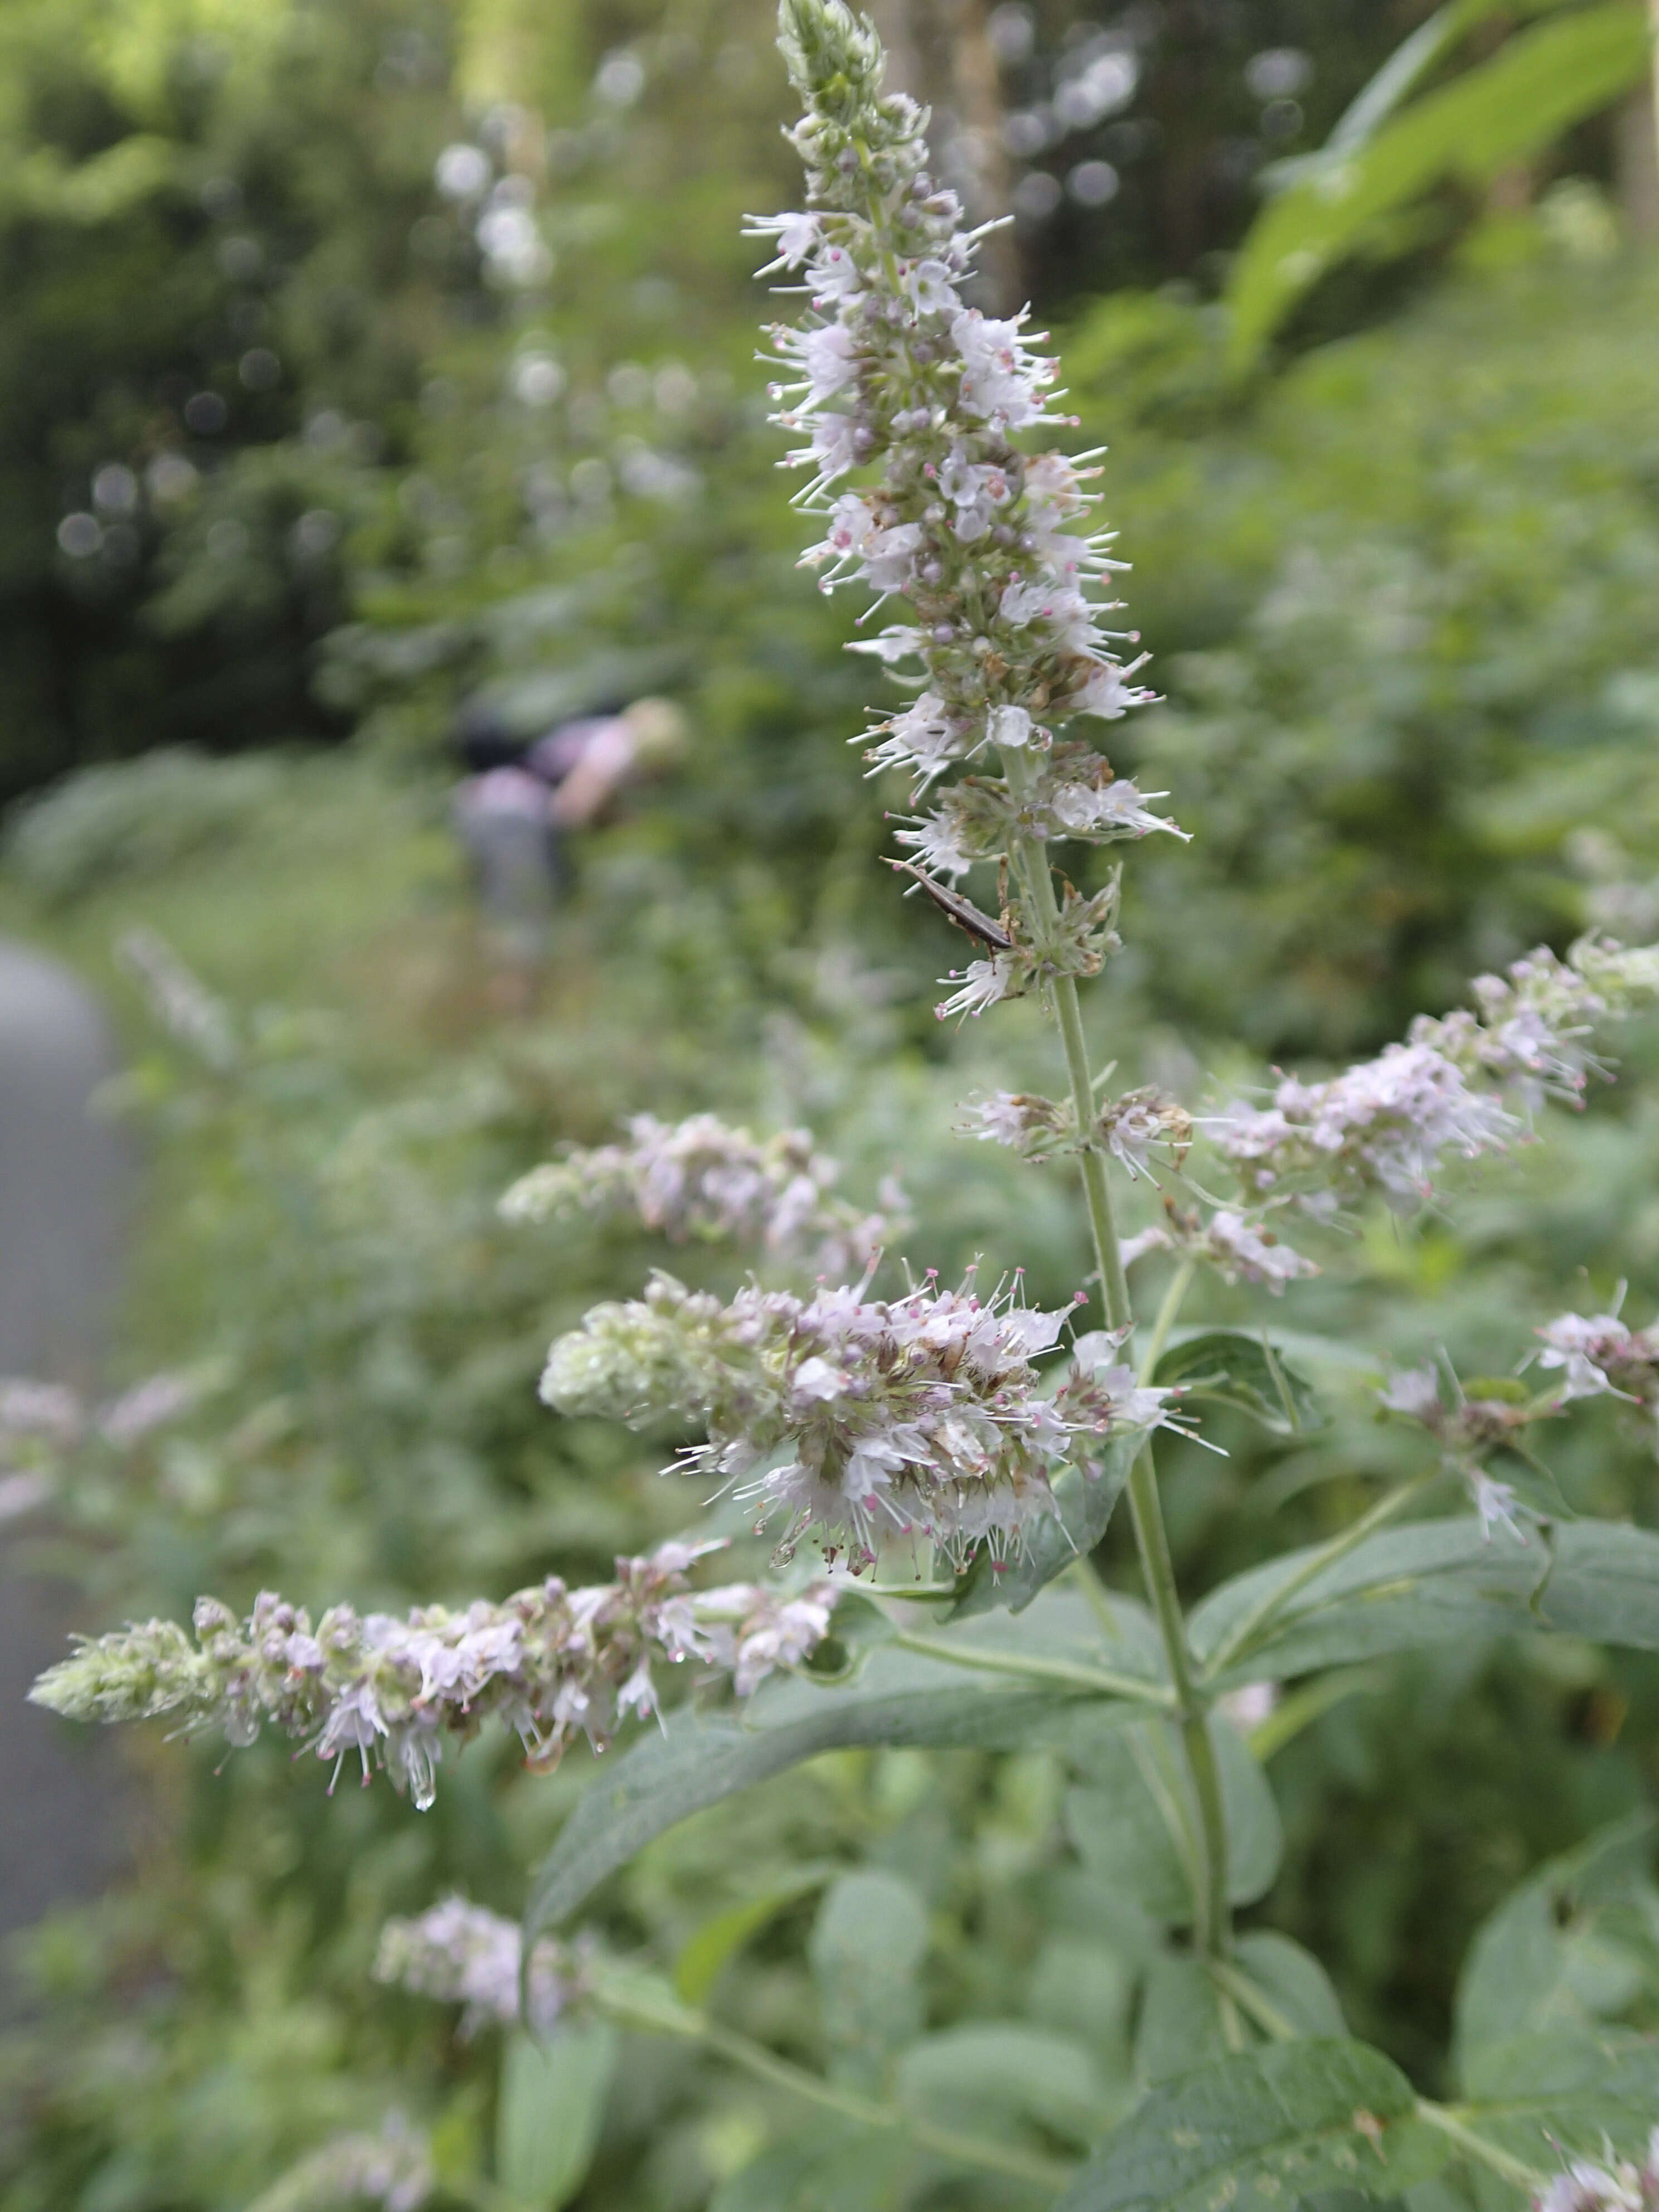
x=1233 y=1646
x=1026 y=1666
x=1245 y=1995
x=764 y=2065
x=1211 y=1926
x=1512 y=2170
x=1174 y=1299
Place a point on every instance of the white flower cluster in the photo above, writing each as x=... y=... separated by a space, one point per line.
x=1386 y=1124
x=1240 y=1250
x=1129 y=1127
x=1533 y=1024
x=917 y=1416
x=1381 y=1124
x=1619 y=2186
x=890 y=367
x=392 y=2170
x=51 y=1413
x=461 y=1954
x=700 y=1178
x=1598 y=1355
x=550 y=1663
x=1466 y=1431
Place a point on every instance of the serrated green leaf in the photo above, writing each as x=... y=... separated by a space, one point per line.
x=1570 y=2090
x=1256 y=2131
x=1132 y=1817
x=866 y=1949
x=1518 y=1978
x=1008 y=2071
x=720 y=1937
x=1086 y=1503
x=693 y=1761
x=1232 y=1368
x=1537 y=85
x=552 y=2100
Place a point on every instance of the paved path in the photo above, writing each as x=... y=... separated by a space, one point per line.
x=62 y=1188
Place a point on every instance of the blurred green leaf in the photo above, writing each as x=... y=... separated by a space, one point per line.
x=1518 y=1976
x=1260 y=2128
x=702 y=1955
x=999 y=2071
x=1569 y=2092
x=866 y=1949
x=1132 y=1817
x=824 y=2166
x=899 y=1698
x=1234 y=1368
x=552 y=2100
x=1438 y=1580
x=1538 y=84
x=1292 y=1979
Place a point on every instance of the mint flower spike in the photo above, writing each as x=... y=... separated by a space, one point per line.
x=394 y=2171
x=1531 y=1030
x=891 y=370
x=461 y=1954
x=1386 y=1124
x=858 y=1420
x=700 y=1178
x=550 y=1663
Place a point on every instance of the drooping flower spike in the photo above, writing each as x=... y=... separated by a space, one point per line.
x=701 y=1178
x=390 y=1691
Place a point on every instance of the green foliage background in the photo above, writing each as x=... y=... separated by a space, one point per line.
x=1403 y=603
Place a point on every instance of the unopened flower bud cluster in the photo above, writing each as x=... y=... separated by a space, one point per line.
x=1075 y=943
x=550 y=1663
x=461 y=1954
x=1131 y=1127
x=891 y=367
x=700 y=1178
x=920 y=1416
x=1467 y=1429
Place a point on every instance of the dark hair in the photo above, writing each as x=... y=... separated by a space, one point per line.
x=482 y=738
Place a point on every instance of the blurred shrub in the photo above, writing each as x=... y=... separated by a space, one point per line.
x=136 y=818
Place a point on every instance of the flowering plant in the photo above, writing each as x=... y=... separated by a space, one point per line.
x=952 y=1459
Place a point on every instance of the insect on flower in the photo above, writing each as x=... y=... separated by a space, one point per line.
x=962 y=912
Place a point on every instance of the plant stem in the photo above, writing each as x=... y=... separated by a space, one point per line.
x=1245 y=1995
x=764 y=2065
x=1268 y=1607
x=1031 y=1668
x=1513 y=2170
x=1174 y=1299
x=1211 y=1925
